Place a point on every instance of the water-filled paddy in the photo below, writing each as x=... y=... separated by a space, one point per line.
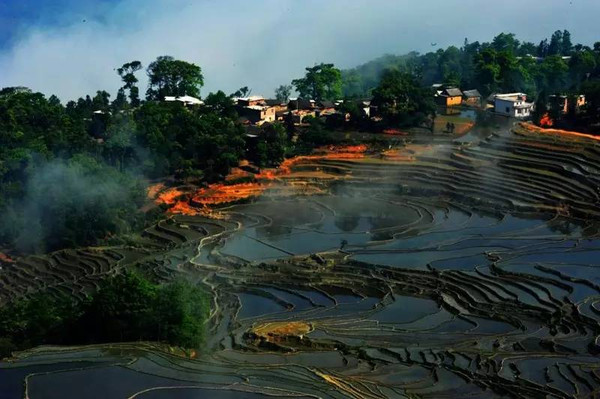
x=467 y=269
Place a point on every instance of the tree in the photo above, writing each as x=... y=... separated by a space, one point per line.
x=242 y=92
x=554 y=72
x=450 y=66
x=591 y=90
x=402 y=100
x=556 y=43
x=127 y=74
x=506 y=42
x=543 y=48
x=581 y=65
x=171 y=77
x=272 y=145
x=120 y=141
x=321 y=82
x=567 y=44
x=282 y=93
x=101 y=101
x=221 y=103
x=487 y=71
x=120 y=101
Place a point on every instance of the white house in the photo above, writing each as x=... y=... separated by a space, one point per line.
x=186 y=100
x=513 y=104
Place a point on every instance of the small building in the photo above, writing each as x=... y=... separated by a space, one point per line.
x=449 y=97
x=185 y=100
x=325 y=108
x=250 y=101
x=559 y=103
x=258 y=114
x=472 y=97
x=299 y=115
x=562 y=104
x=300 y=104
x=365 y=107
x=513 y=104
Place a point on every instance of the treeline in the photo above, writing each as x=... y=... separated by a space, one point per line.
x=126 y=308
x=504 y=64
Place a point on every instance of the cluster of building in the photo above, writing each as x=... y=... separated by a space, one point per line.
x=453 y=96
x=515 y=105
x=257 y=110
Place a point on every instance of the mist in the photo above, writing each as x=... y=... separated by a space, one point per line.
x=263 y=44
x=70 y=203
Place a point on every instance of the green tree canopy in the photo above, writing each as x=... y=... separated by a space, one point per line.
x=282 y=93
x=321 y=82
x=171 y=77
x=127 y=73
x=402 y=100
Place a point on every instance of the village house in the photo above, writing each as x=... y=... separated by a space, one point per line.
x=250 y=101
x=325 y=108
x=472 y=97
x=258 y=114
x=365 y=107
x=449 y=97
x=300 y=108
x=281 y=108
x=513 y=104
x=562 y=103
x=185 y=100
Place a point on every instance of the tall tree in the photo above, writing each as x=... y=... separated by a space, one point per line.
x=321 y=82
x=556 y=43
x=171 y=77
x=402 y=100
x=242 y=92
x=567 y=44
x=282 y=93
x=506 y=42
x=127 y=73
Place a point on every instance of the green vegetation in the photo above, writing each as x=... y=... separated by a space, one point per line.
x=270 y=146
x=73 y=175
x=321 y=82
x=127 y=307
x=402 y=100
x=282 y=93
x=170 y=77
x=505 y=64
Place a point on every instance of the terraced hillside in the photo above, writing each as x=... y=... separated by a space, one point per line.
x=438 y=268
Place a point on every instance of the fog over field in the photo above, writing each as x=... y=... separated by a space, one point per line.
x=256 y=44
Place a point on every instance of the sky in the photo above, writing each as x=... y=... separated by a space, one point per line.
x=72 y=47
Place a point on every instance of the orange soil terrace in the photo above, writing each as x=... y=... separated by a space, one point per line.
x=566 y=133
x=216 y=194
x=154 y=189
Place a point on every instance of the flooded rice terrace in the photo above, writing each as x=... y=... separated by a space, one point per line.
x=437 y=267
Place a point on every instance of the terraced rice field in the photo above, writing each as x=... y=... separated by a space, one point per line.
x=463 y=268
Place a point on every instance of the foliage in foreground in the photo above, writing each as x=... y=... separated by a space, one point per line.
x=126 y=308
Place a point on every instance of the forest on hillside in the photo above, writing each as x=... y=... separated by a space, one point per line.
x=505 y=64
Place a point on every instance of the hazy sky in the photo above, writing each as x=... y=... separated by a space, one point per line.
x=71 y=47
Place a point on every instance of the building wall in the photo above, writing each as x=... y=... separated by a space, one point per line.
x=507 y=108
x=475 y=101
x=268 y=115
x=452 y=101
